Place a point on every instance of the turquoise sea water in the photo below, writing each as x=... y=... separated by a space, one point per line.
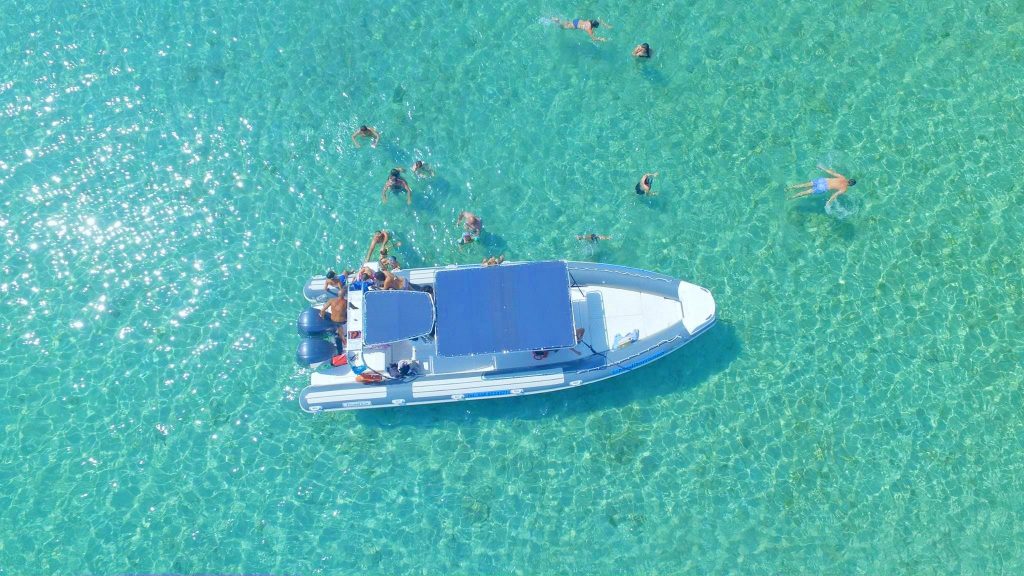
x=171 y=173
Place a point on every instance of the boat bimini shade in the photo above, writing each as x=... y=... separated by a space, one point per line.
x=396 y=315
x=504 y=308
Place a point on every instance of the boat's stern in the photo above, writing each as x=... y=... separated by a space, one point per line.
x=698 y=307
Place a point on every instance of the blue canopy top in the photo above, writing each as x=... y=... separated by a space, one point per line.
x=395 y=315
x=504 y=308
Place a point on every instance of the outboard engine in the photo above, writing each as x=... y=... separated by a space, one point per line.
x=314 y=351
x=311 y=324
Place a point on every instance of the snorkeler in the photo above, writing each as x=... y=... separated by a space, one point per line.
x=366 y=132
x=642 y=50
x=643 y=187
x=838 y=182
x=396 y=182
x=422 y=170
x=587 y=26
x=592 y=237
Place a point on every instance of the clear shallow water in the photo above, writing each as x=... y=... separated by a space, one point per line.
x=171 y=175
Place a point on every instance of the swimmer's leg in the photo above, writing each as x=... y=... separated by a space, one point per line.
x=802 y=194
x=800 y=185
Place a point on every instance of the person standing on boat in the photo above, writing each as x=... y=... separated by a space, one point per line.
x=587 y=26
x=396 y=182
x=838 y=182
x=366 y=132
x=338 y=307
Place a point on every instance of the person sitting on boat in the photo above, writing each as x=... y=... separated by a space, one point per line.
x=838 y=182
x=388 y=262
x=396 y=182
x=404 y=368
x=643 y=187
x=366 y=132
x=364 y=279
x=388 y=281
x=587 y=26
x=335 y=283
x=338 y=307
x=422 y=170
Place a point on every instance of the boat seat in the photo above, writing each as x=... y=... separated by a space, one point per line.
x=597 y=332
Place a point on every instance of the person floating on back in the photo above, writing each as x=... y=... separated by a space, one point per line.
x=587 y=26
x=838 y=182
x=643 y=187
x=366 y=132
x=642 y=50
x=396 y=183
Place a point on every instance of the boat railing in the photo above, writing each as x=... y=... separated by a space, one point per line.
x=631 y=356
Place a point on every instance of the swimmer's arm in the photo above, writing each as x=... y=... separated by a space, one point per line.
x=324 y=309
x=834 y=196
x=354 y=141
x=830 y=171
x=384 y=194
x=408 y=195
x=605 y=24
x=376 y=138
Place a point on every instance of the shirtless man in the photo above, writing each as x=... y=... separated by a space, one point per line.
x=396 y=182
x=643 y=187
x=338 y=307
x=838 y=182
x=389 y=281
x=587 y=26
x=366 y=132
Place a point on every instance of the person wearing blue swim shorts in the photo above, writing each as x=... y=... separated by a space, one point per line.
x=839 y=183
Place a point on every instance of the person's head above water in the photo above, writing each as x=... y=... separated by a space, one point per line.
x=364 y=128
x=395 y=172
x=417 y=164
x=594 y=23
x=851 y=182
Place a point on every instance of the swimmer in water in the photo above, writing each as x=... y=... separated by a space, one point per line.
x=643 y=187
x=492 y=261
x=366 y=132
x=592 y=237
x=422 y=170
x=379 y=238
x=388 y=262
x=642 y=50
x=587 y=26
x=396 y=183
x=839 y=183
x=473 y=223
